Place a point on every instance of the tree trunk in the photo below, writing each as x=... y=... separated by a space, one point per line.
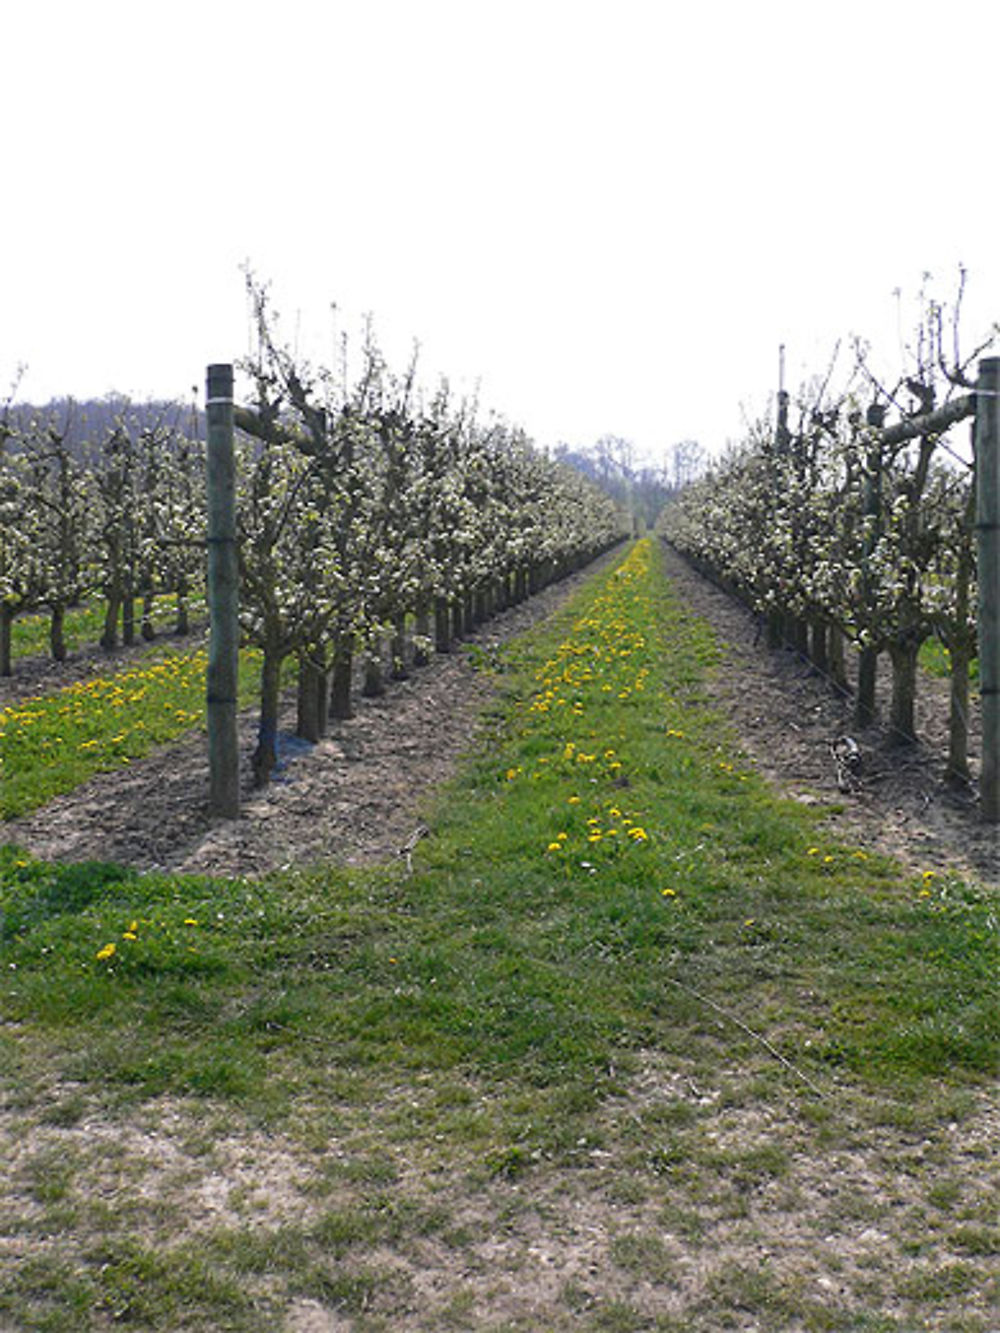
x=57 y=635
x=958 y=772
x=311 y=703
x=800 y=636
x=109 y=638
x=6 y=638
x=457 y=619
x=266 y=754
x=128 y=616
x=182 y=623
x=819 y=652
x=147 y=630
x=838 y=660
x=904 y=692
x=423 y=632
x=374 y=683
x=865 y=709
x=340 y=683
x=399 y=650
x=442 y=626
x=775 y=629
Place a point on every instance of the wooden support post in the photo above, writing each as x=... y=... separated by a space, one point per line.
x=223 y=598
x=988 y=530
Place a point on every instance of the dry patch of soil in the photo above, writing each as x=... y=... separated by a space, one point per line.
x=691 y=1205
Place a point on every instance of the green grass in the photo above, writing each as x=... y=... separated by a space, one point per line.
x=607 y=878
x=935 y=658
x=51 y=743
x=83 y=625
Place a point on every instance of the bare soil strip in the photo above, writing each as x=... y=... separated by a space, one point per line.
x=786 y=714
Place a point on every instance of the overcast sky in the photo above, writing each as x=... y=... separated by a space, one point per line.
x=608 y=215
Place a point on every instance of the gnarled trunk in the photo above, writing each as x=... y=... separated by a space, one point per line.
x=902 y=720
x=865 y=708
x=819 y=653
x=266 y=754
x=311 y=714
x=57 y=635
x=399 y=648
x=836 y=649
x=340 y=682
x=422 y=630
x=442 y=625
x=6 y=640
x=147 y=629
x=958 y=716
x=109 y=637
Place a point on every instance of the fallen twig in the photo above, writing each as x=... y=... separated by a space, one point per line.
x=763 y=1041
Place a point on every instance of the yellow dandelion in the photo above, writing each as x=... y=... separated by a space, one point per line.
x=108 y=951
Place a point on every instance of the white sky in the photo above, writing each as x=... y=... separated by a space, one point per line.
x=608 y=214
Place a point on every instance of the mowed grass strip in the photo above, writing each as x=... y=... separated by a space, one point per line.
x=51 y=743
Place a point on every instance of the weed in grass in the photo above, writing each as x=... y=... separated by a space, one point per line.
x=65 y=1112
x=645 y=1255
x=577 y=1298
x=353 y=1291
x=47 y=1295
x=935 y=1283
x=944 y=1194
x=617 y=1317
x=680 y=1219
x=50 y=1175
x=627 y=1189
x=982 y=1241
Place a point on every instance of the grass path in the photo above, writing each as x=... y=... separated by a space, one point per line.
x=633 y=1047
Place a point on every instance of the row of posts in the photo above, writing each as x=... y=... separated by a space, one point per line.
x=223 y=588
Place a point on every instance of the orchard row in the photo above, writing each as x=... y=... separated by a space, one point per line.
x=374 y=525
x=846 y=529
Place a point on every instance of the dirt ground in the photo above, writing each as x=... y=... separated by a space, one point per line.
x=354 y=797
x=787 y=715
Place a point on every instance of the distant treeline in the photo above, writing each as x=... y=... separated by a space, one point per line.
x=79 y=421
x=645 y=489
